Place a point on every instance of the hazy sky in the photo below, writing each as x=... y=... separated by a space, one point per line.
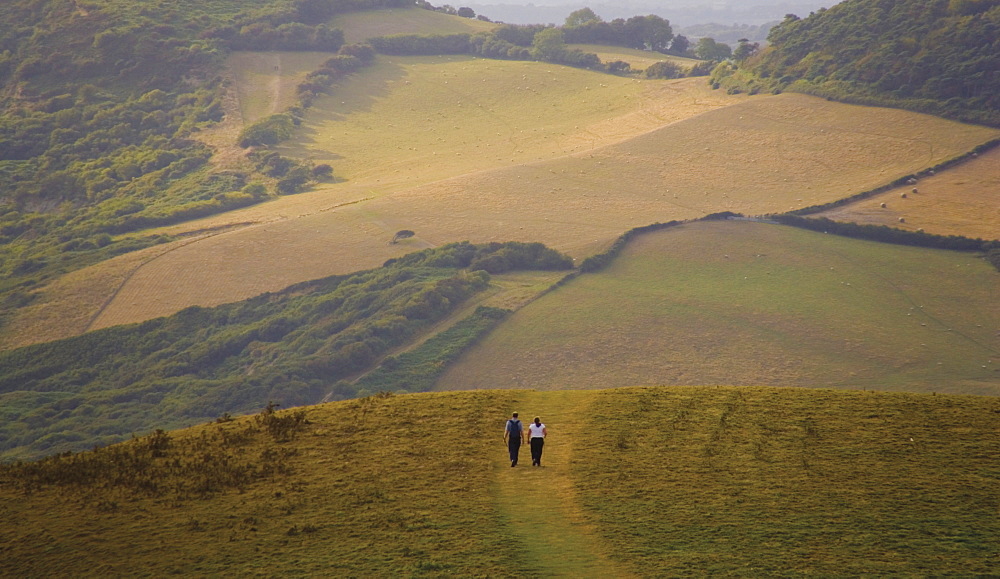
x=678 y=12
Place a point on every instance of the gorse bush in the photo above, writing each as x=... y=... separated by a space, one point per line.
x=158 y=465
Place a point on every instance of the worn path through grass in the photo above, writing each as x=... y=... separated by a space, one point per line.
x=541 y=504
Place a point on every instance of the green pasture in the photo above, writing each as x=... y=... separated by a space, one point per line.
x=360 y=26
x=635 y=482
x=755 y=304
x=639 y=59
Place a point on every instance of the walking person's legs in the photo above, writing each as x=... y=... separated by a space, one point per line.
x=536 y=450
x=514 y=447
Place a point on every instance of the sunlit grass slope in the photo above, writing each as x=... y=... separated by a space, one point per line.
x=535 y=152
x=635 y=482
x=360 y=26
x=962 y=200
x=749 y=303
x=639 y=59
x=758 y=482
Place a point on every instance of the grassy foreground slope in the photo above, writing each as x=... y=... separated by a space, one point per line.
x=635 y=482
x=749 y=303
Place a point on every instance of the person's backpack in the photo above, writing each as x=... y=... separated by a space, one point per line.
x=514 y=428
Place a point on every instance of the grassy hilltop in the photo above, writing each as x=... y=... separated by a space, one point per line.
x=125 y=197
x=635 y=482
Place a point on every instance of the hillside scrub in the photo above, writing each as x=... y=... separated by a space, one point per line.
x=927 y=55
x=98 y=119
x=290 y=347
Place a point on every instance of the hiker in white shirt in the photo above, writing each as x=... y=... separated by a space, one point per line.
x=537 y=440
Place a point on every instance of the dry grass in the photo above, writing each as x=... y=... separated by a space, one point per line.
x=756 y=482
x=964 y=200
x=638 y=481
x=535 y=152
x=374 y=487
x=743 y=303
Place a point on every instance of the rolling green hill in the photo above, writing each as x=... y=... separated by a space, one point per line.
x=750 y=304
x=634 y=482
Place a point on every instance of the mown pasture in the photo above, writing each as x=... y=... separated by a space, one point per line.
x=962 y=200
x=634 y=482
x=360 y=26
x=639 y=60
x=539 y=153
x=755 y=304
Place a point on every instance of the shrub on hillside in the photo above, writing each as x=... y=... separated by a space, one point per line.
x=267 y=131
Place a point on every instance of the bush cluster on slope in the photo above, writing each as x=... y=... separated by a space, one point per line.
x=937 y=56
x=203 y=362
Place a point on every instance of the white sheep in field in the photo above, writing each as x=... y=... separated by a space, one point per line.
x=882 y=205
x=903 y=195
x=914 y=190
x=901 y=220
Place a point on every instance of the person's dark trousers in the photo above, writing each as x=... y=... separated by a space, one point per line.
x=536 y=450
x=514 y=446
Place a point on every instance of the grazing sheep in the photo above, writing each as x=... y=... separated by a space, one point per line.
x=914 y=190
x=903 y=195
x=901 y=220
x=882 y=205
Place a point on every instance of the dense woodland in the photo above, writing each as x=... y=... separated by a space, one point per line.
x=936 y=56
x=292 y=347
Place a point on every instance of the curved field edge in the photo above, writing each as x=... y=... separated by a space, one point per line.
x=750 y=303
x=777 y=157
x=676 y=481
x=962 y=200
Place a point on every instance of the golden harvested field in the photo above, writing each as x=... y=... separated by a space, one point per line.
x=964 y=200
x=457 y=148
x=755 y=304
x=360 y=26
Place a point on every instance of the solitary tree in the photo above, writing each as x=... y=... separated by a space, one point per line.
x=548 y=45
x=582 y=16
x=402 y=234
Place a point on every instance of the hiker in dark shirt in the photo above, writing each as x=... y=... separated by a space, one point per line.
x=513 y=435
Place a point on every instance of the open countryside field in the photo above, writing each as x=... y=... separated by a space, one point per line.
x=544 y=161
x=639 y=59
x=749 y=304
x=962 y=200
x=360 y=26
x=634 y=482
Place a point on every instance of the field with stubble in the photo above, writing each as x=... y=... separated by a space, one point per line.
x=963 y=200
x=459 y=148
